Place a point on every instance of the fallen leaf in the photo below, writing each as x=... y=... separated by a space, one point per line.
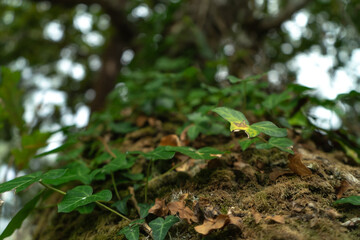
x=297 y=166
x=141 y=120
x=257 y=216
x=212 y=224
x=184 y=212
x=344 y=186
x=278 y=173
x=219 y=222
x=184 y=137
x=159 y=209
x=170 y=140
x=188 y=163
x=235 y=221
x=276 y=218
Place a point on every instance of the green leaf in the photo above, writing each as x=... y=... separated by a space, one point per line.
x=121 y=205
x=20 y=183
x=244 y=144
x=131 y=232
x=119 y=163
x=237 y=121
x=194 y=154
x=233 y=79
x=193 y=132
x=354 y=200
x=75 y=171
x=159 y=153
x=86 y=209
x=283 y=144
x=58 y=149
x=273 y=100
x=53 y=174
x=270 y=129
x=20 y=216
x=144 y=209
x=80 y=196
x=231 y=115
x=160 y=227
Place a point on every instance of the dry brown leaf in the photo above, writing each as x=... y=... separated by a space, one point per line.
x=235 y=221
x=170 y=140
x=184 y=212
x=297 y=166
x=159 y=209
x=141 y=120
x=188 y=163
x=212 y=224
x=276 y=218
x=342 y=189
x=183 y=136
x=278 y=173
x=257 y=216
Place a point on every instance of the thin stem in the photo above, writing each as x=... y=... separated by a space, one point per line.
x=244 y=93
x=115 y=188
x=112 y=210
x=52 y=188
x=147 y=181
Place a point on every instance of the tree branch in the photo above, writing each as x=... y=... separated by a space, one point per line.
x=290 y=9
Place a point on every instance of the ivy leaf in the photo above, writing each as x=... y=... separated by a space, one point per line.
x=75 y=171
x=20 y=183
x=86 y=209
x=270 y=129
x=53 y=174
x=160 y=227
x=144 y=209
x=66 y=145
x=231 y=115
x=121 y=205
x=20 y=216
x=159 y=153
x=80 y=196
x=131 y=232
x=120 y=162
x=193 y=132
x=205 y=153
x=354 y=200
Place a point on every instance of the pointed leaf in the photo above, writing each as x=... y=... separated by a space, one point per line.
x=119 y=163
x=121 y=205
x=160 y=227
x=354 y=200
x=270 y=129
x=231 y=115
x=80 y=196
x=75 y=171
x=86 y=209
x=205 y=153
x=20 y=216
x=20 y=183
x=159 y=154
x=131 y=232
x=53 y=174
x=144 y=209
